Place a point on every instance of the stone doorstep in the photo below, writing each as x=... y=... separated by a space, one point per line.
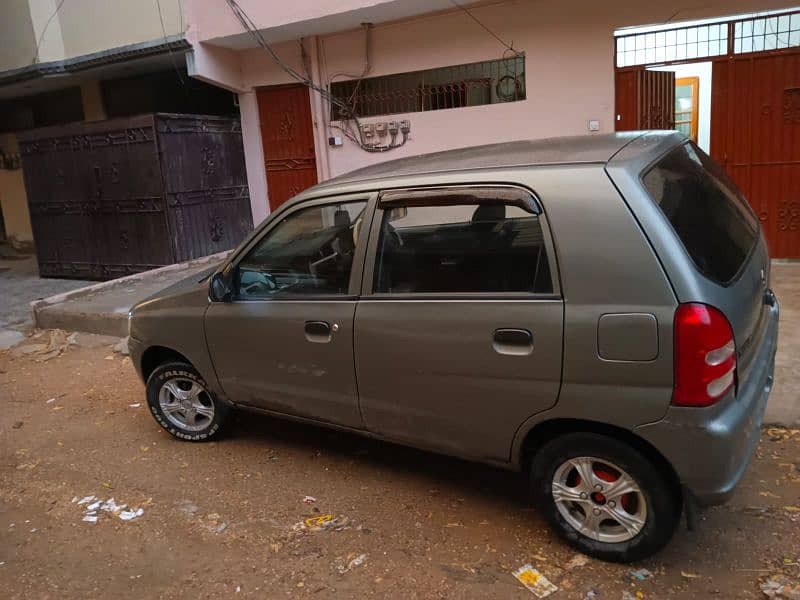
x=55 y=312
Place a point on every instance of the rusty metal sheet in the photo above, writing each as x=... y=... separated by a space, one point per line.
x=105 y=197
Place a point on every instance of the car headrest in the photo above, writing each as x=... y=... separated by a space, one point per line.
x=489 y=213
x=341 y=218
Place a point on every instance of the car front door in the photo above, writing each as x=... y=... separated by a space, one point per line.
x=284 y=340
x=458 y=332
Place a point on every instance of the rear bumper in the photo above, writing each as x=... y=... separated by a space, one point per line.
x=710 y=448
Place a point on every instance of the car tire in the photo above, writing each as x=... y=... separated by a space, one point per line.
x=182 y=403
x=640 y=522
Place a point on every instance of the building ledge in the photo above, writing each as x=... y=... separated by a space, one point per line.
x=175 y=43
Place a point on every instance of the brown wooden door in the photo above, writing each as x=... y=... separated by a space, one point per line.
x=288 y=137
x=755 y=134
x=644 y=100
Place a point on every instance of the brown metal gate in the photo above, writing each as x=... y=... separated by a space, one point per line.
x=645 y=100
x=755 y=134
x=116 y=197
x=287 y=133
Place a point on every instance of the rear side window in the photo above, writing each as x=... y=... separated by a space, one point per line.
x=706 y=210
x=467 y=245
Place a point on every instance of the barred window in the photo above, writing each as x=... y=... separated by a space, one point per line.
x=473 y=84
x=673 y=44
x=767 y=33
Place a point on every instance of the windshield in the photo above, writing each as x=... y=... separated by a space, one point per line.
x=705 y=208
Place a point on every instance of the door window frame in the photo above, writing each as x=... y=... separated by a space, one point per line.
x=289 y=209
x=375 y=234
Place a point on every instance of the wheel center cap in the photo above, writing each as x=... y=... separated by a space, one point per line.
x=187 y=404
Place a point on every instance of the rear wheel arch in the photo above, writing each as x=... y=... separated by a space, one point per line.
x=545 y=431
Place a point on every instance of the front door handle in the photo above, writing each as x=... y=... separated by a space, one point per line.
x=516 y=342
x=318 y=332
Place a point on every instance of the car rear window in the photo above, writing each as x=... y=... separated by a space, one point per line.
x=705 y=208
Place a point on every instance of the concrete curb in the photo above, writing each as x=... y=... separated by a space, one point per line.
x=102 y=323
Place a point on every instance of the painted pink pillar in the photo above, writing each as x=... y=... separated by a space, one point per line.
x=254 y=156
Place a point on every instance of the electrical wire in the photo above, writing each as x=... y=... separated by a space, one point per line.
x=489 y=31
x=347 y=111
x=166 y=43
x=44 y=30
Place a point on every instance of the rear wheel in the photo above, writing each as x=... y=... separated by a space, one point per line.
x=181 y=402
x=604 y=497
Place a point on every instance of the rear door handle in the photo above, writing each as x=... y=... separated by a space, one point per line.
x=516 y=342
x=318 y=332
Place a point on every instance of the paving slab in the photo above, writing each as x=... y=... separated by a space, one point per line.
x=103 y=307
x=783 y=407
x=20 y=285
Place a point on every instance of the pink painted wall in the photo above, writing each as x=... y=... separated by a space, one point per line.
x=569 y=68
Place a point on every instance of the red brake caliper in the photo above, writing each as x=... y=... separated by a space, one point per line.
x=609 y=477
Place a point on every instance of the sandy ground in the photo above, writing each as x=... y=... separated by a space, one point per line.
x=220 y=518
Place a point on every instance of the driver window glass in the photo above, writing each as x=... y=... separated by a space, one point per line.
x=309 y=252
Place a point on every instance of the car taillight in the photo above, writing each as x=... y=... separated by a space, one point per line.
x=705 y=355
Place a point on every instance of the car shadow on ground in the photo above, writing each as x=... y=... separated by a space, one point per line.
x=433 y=470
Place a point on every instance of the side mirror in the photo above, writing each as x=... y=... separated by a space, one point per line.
x=219 y=290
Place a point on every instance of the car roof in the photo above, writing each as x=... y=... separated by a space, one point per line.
x=586 y=149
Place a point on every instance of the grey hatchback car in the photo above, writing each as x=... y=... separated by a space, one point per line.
x=594 y=312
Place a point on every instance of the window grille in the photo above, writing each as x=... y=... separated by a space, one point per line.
x=767 y=33
x=673 y=44
x=473 y=84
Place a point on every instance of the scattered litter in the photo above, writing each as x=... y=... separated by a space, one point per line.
x=238 y=589
x=640 y=575
x=579 y=560
x=592 y=594
x=323 y=522
x=779 y=586
x=352 y=561
x=2 y=562
x=189 y=507
x=687 y=575
x=129 y=515
x=34 y=530
x=768 y=494
x=792 y=508
x=309 y=499
x=135 y=405
x=93 y=504
x=107 y=485
x=535 y=582
x=222 y=527
x=50 y=401
x=17 y=424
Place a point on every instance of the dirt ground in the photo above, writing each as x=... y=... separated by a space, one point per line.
x=220 y=519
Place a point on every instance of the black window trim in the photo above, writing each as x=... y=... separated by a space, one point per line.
x=274 y=219
x=394 y=195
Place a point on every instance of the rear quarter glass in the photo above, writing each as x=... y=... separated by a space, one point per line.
x=706 y=210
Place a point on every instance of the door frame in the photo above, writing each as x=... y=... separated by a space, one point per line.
x=371 y=257
x=290 y=208
x=314 y=134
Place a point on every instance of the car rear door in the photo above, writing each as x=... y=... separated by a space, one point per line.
x=458 y=332
x=284 y=341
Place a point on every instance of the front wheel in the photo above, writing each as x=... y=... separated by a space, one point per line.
x=604 y=497
x=180 y=401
